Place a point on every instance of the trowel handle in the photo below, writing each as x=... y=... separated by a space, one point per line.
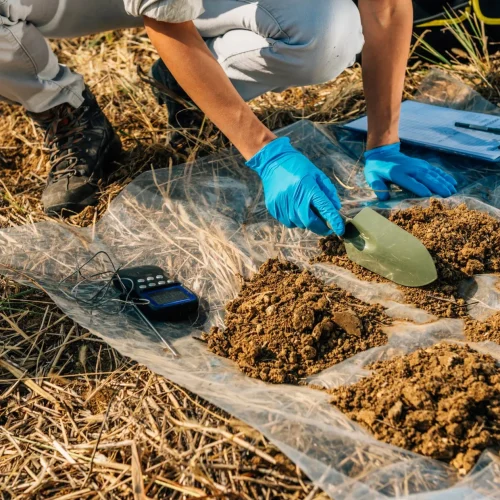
x=347 y=220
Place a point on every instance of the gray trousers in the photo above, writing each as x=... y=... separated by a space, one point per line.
x=263 y=45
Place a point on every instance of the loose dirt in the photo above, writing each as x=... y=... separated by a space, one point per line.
x=442 y=402
x=480 y=331
x=287 y=324
x=462 y=242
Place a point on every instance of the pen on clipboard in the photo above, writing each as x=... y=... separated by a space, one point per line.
x=481 y=128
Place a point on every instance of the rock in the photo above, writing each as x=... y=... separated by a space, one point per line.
x=270 y=310
x=367 y=417
x=396 y=411
x=303 y=319
x=308 y=352
x=349 y=322
x=421 y=420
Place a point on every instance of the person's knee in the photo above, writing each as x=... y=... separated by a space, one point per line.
x=330 y=37
x=13 y=12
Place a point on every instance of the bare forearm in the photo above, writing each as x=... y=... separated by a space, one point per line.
x=387 y=26
x=200 y=75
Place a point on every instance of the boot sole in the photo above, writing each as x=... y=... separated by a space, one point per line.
x=111 y=152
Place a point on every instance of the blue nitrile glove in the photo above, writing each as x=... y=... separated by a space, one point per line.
x=386 y=165
x=293 y=186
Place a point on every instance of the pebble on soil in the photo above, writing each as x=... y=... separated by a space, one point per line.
x=287 y=324
x=442 y=402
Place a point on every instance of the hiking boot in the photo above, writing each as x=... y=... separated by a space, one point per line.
x=82 y=146
x=183 y=114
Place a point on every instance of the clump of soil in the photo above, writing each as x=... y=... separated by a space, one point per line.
x=442 y=402
x=286 y=324
x=462 y=242
x=480 y=331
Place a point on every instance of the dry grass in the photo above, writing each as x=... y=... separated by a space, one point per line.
x=76 y=419
x=79 y=421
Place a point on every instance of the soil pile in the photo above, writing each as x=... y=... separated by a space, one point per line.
x=462 y=243
x=442 y=402
x=287 y=324
x=480 y=331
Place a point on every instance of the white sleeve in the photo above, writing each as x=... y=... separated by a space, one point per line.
x=170 y=11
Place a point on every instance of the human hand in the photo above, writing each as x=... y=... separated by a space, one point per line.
x=295 y=189
x=386 y=165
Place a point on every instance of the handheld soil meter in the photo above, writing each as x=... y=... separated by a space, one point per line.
x=157 y=296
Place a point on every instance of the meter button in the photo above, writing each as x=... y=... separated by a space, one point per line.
x=141 y=280
x=142 y=287
x=170 y=282
x=151 y=284
x=159 y=277
x=161 y=283
x=150 y=278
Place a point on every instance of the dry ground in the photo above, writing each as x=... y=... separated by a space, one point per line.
x=77 y=420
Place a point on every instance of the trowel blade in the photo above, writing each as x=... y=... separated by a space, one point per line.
x=379 y=245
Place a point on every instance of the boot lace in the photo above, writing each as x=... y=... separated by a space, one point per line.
x=61 y=140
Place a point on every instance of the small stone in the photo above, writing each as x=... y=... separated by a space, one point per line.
x=421 y=420
x=303 y=318
x=308 y=352
x=454 y=429
x=448 y=360
x=414 y=396
x=349 y=322
x=396 y=411
x=270 y=310
x=323 y=328
x=367 y=417
x=479 y=391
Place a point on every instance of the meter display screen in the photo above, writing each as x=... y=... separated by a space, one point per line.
x=169 y=295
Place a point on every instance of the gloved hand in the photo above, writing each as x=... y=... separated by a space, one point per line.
x=293 y=186
x=387 y=165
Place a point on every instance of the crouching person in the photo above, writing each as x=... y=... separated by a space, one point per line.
x=219 y=54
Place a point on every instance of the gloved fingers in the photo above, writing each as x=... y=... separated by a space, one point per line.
x=417 y=165
x=413 y=185
x=436 y=183
x=330 y=190
x=451 y=187
x=306 y=216
x=447 y=177
x=327 y=211
x=316 y=224
x=436 y=187
x=289 y=224
x=378 y=185
x=281 y=217
x=448 y=186
x=381 y=190
x=439 y=176
x=297 y=221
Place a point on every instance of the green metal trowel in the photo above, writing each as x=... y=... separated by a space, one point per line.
x=379 y=245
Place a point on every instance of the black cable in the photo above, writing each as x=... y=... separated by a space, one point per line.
x=101 y=298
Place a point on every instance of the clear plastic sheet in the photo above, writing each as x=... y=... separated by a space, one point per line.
x=206 y=223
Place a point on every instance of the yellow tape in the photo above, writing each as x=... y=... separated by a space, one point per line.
x=482 y=17
x=448 y=21
x=460 y=19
